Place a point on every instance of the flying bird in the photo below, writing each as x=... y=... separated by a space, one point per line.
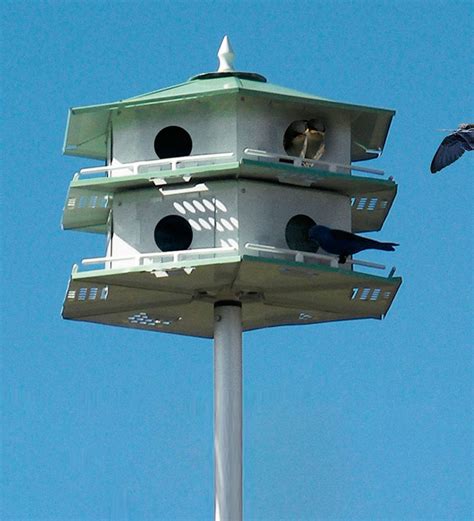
x=344 y=243
x=305 y=139
x=453 y=147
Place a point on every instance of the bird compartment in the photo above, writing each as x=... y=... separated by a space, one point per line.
x=192 y=128
x=219 y=125
x=231 y=214
x=263 y=125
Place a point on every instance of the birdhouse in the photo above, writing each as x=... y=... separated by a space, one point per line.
x=208 y=192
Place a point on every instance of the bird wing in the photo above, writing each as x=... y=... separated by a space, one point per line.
x=451 y=148
x=341 y=235
x=351 y=243
x=468 y=137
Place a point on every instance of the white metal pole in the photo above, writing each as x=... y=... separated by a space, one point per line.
x=228 y=411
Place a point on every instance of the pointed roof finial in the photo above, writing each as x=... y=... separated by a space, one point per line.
x=226 y=56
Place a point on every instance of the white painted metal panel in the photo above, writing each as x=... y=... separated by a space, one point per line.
x=227 y=214
x=266 y=208
x=211 y=125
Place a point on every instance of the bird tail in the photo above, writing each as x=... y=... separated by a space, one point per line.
x=386 y=246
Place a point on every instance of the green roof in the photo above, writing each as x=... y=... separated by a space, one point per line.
x=87 y=126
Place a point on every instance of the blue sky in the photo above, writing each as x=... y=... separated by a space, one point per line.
x=352 y=421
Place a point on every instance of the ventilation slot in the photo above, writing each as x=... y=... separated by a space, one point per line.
x=369 y=294
x=142 y=319
x=372 y=204
x=375 y=294
x=88 y=201
x=88 y=293
x=364 y=203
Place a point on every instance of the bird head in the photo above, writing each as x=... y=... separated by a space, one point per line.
x=316 y=126
x=297 y=127
x=317 y=232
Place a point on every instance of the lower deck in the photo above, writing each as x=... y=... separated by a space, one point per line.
x=178 y=297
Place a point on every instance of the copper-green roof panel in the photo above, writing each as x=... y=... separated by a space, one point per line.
x=86 y=133
x=87 y=126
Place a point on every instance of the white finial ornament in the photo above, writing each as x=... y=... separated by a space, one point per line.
x=226 y=56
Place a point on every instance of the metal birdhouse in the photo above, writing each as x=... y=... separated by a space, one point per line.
x=206 y=200
x=204 y=196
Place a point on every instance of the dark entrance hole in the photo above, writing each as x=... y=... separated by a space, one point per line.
x=173 y=142
x=173 y=233
x=296 y=234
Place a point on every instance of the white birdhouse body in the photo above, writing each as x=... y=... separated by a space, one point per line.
x=229 y=123
x=211 y=127
x=222 y=214
x=208 y=192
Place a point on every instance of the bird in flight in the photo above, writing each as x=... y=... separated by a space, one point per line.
x=453 y=147
x=344 y=243
x=305 y=139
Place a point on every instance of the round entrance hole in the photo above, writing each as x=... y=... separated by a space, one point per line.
x=173 y=233
x=173 y=142
x=296 y=234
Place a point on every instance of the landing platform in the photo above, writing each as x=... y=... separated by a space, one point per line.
x=179 y=298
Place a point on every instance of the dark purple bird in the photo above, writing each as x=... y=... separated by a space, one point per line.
x=344 y=243
x=453 y=147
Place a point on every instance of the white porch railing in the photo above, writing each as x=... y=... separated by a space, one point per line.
x=173 y=257
x=298 y=161
x=170 y=257
x=301 y=256
x=173 y=163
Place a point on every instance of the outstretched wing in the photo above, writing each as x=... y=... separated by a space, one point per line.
x=452 y=147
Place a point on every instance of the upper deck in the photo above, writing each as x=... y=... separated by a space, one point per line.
x=91 y=191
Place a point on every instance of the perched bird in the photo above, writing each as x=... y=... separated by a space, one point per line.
x=344 y=243
x=453 y=147
x=305 y=139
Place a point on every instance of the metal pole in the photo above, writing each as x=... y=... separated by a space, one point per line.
x=228 y=411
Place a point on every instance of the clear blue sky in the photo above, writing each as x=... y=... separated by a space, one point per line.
x=352 y=421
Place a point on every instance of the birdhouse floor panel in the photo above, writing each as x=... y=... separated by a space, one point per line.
x=88 y=202
x=273 y=292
